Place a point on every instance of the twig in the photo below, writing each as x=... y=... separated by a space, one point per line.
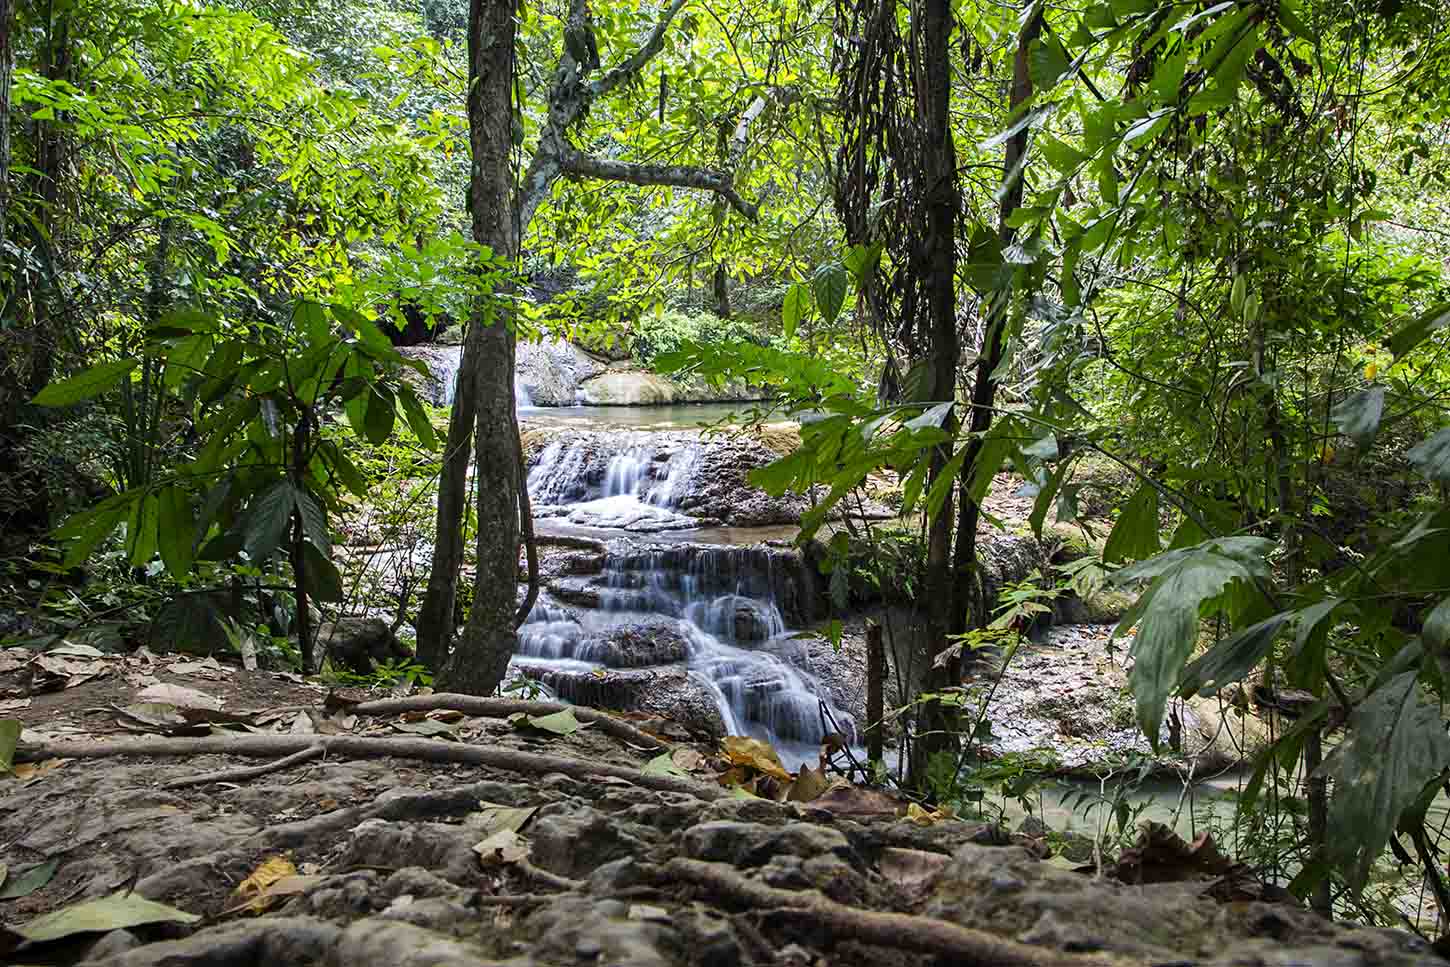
x=369 y=747
x=247 y=772
x=955 y=944
x=503 y=707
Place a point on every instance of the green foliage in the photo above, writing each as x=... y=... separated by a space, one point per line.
x=666 y=331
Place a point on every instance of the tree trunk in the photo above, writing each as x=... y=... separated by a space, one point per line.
x=477 y=665
x=984 y=387
x=722 y=291
x=936 y=723
x=7 y=68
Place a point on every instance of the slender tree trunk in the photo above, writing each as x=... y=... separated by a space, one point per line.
x=7 y=68
x=477 y=665
x=984 y=386
x=721 y=286
x=936 y=723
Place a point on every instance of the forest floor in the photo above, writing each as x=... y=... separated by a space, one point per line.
x=445 y=830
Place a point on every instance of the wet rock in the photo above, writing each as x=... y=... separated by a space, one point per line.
x=576 y=591
x=670 y=692
x=551 y=371
x=628 y=388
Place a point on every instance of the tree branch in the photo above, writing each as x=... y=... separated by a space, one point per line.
x=635 y=62
x=577 y=163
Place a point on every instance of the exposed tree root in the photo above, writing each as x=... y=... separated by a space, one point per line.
x=927 y=935
x=369 y=747
x=504 y=707
x=248 y=772
x=548 y=879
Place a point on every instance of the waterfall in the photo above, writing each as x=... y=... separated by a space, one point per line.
x=725 y=606
x=443 y=365
x=632 y=481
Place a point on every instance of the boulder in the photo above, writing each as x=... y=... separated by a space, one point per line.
x=670 y=692
x=628 y=388
x=359 y=643
x=551 y=371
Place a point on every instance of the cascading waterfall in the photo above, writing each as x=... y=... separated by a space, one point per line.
x=625 y=481
x=726 y=606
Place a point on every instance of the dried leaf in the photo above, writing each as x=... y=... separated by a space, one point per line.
x=118 y=911
x=290 y=885
x=1162 y=856
x=427 y=727
x=844 y=799
x=504 y=846
x=916 y=813
x=23 y=884
x=34 y=770
x=562 y=722
x=446 y=714
x=742 y=750
x=643 y=911
x=14 y=704
x=809 y=783
x=206 y=667
x=687 y=759
x=179 y=696
x=302 y=724
x=75 y=650
x=250 y=893
x=492 y=817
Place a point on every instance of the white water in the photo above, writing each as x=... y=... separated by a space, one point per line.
x=444 y=366
x=615 y=481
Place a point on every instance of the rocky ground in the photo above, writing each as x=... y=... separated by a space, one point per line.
x=434 y=831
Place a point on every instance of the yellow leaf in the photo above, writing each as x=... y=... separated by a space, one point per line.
x=741 y=750
x=1370 y=370
x=253 y=890
x=809 y=783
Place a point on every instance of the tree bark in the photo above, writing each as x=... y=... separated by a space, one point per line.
x=7 y=68
x=936 y=722
x=984 y=386
x=477 y=665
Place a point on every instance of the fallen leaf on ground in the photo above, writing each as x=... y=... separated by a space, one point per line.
x=504 y=846
x=916 y=813
x=562 y=722
x=179 y=696
x=742 y=750
x=14 y=704
x=427 y=727
x=115 y=912
x=664 y=765
x=205 y=667
x=250 y=892
x=290 y=885
x=76 y=650
x=643 y=911
x=1162 y=856
x=809 y=783
x=23 y=884
x=446 y=714
x=302 y=724
x=9 y=737
x=687 y=758
x=844 y=799
x=33 y=770
x=491 y=817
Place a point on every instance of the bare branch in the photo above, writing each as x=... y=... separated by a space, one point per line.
x=679 y=176
x=635 y=62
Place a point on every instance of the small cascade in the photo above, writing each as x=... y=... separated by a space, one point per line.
x=721 y=611
x=632 y=481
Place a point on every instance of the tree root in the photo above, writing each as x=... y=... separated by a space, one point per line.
x=554 y=880
x=504 y=707
x=248 y=772
x=369 y=747
x=927 y=935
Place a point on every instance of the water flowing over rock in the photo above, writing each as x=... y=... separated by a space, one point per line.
x=439 y=386
x=551 y=371
x=698 y=632
x=656 y=481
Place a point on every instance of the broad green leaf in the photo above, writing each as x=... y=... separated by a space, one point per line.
x=175 y=530
x=1396 y=745
x=1231 y=659
x=382 y=411
x=323 y=580
x=311 y=318
x=562 y=722
x=119 y=911
x=9 y=739
x=664 y=765
x=1411 y=335
x=266 y=519
x=1167 y=619
x=1311 y=637
x=1358 y=417
x=86 y=384
x=1047 y=62
x=417 y=417
x=860 y=260
x=87 y=529
x=997 y=449
x=141 y=530
x=314 y=520
x=1437 y=627
x=19 y=885
x=185 y=359
x=1432 y=457
x=1135 y=536
x=935 y=416
x=829 y=285
x=794 y=308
